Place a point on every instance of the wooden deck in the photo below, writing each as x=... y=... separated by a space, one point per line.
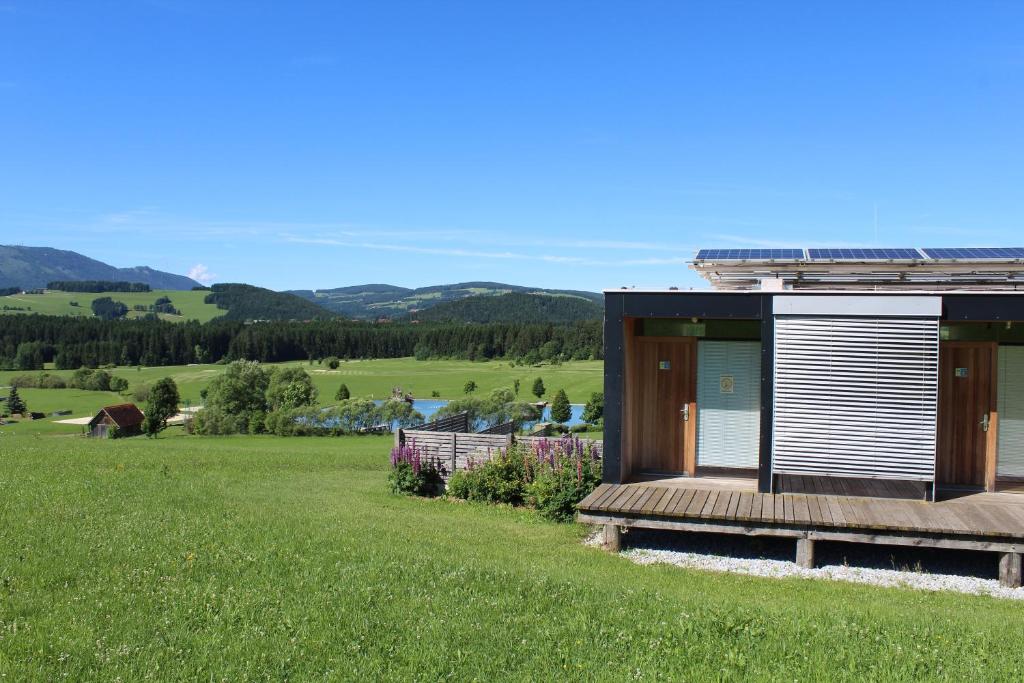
x=985 y=521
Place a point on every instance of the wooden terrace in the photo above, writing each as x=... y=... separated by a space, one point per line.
x=836 y=511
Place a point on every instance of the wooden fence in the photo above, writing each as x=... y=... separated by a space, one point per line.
x=453 y=450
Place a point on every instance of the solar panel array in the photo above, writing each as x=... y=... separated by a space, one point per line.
x=750 y=254
x=976 y=253
x=861 y=255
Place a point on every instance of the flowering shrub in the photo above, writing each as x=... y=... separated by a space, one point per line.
x=551 y=475
x=413 y=472
x=500 y=479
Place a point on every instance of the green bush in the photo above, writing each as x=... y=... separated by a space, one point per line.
x=552 y=476
x=502 y=479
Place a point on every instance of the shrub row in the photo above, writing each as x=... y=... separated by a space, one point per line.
x=550 y=475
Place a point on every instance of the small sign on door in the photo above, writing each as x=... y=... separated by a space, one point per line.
x=961 y=372
x=726 y=384
x=664 y=365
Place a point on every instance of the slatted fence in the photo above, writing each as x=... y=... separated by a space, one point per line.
x=453 y=450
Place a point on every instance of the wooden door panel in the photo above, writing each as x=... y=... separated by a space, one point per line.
x=663 y=383
x=966 y=386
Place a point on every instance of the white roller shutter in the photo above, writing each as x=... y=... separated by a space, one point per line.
x=856 y=396
x=728 y=403
x=1011 y=412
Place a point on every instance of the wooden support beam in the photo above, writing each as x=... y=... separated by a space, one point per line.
x=1010 y=570
x=613 y=537
x=805 y=553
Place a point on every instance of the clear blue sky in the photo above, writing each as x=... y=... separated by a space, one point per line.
x=581 y=145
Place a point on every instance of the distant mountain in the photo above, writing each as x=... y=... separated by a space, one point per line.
x=245 y=302
x=388 y=301
x=33 y=267
x=515 y=307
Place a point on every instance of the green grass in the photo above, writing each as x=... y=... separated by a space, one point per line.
x=53 y=302
x=364 y=378
x=249 y=558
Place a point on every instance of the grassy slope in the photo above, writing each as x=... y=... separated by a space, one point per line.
x=53 y=302
x=260 y=558
x=364 y=378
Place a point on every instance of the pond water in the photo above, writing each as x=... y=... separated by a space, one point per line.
x=429 y=406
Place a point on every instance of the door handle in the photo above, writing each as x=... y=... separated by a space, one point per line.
x=685 y=412
x=984 y=423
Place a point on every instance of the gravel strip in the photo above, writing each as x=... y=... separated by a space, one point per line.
x=774 y=562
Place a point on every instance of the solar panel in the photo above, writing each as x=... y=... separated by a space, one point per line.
x=976 y=253
x=884 y=254
x=750 y=255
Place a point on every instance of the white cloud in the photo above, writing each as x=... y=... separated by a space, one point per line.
x=201 y=273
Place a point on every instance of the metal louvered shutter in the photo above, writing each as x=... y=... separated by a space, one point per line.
x=728 y=403
x=856 y=396
x=1011 y=412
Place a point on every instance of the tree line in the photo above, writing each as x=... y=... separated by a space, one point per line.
x=97 y=286
x=27 y=341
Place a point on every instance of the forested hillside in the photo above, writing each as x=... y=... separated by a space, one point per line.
x=246 y=302
x=513 y=308
x=72 y=342
x=388 y=301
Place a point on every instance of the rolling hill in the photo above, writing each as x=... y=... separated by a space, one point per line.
x=388 y=301
x=192 y=305
x=33 y=267
x=246 y=302
x=514 y=307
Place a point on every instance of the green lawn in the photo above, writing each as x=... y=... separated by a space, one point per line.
x=244 y=558
x=53 y=302
x=364 y=378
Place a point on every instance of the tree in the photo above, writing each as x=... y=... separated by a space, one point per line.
x=161 y=405
x=469 y=388
x=538 y=387
x=15 y=404
x=343 y=393
x=332 y=362
x=594 y=410
x=561 y=411
x=29 y=356
x=108 y=309
x=290 y=388
x=515 y=386
x=236 y=401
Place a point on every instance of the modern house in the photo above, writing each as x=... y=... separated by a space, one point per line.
x=888 y=374
x=124 y=419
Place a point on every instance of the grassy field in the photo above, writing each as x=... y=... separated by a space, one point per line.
x=53 y=302
x=247 y=558
x=364 y=378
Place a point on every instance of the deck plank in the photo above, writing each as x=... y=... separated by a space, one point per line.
x=596 y=495
x=743 y=508
x=814 y=508
x=679 y=505
x=697 y=504
x=625 y=494
x=709 y=504
x=636 y=506
x=722 y=504
x=666 y=502
x=599 y=502
x=659 y=492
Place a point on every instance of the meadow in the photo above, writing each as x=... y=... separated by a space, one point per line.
x=53 y=302
x=365 y=378
x=242 y=558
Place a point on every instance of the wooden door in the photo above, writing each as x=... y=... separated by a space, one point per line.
x=664 y=408
x=966 y=410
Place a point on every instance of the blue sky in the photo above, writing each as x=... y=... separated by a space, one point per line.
x=579 y=145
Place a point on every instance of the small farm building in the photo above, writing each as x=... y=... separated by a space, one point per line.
x=125 y=418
